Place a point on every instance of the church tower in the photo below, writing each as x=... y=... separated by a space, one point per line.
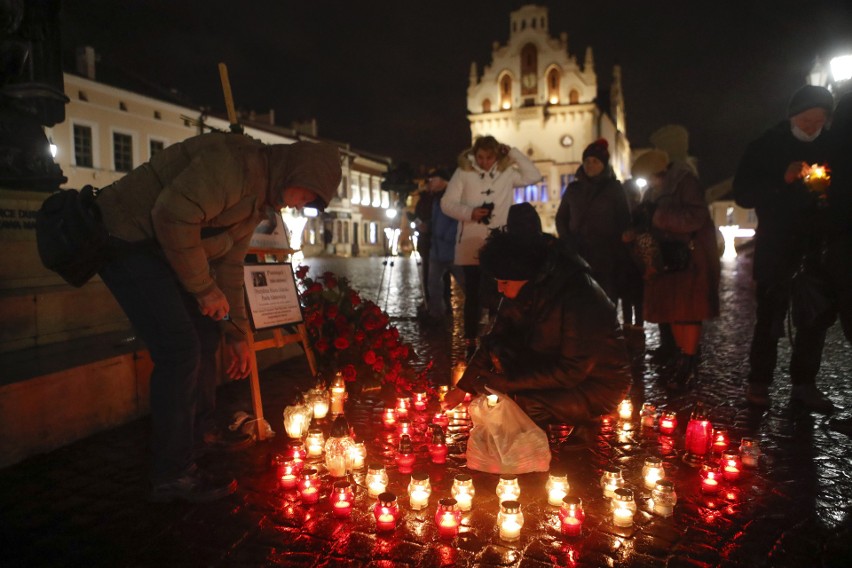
x=536 y=96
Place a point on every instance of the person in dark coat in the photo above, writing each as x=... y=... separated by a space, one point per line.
x=443 y=247
x=593 y=214
x=770 y=179
x=556 y=346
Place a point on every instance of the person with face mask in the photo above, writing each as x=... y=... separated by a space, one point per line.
x=770 y=179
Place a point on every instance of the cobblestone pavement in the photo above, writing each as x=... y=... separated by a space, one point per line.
x=85 y=504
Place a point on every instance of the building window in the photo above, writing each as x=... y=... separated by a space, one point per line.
x=564 y=181
x=543 y=194
x=532 y=193
x=83 y=155
x=122 y=152
x=157 y=115
x=519 y=195
x=574 y=97
x=529 y=69
x=374 y=233
x=486 y=105
x=506 y=92
x=553 y=86
x=155 y=147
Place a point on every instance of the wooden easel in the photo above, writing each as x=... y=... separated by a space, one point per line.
x=279 y=339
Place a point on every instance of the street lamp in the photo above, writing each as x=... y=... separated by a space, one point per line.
x=841 y=68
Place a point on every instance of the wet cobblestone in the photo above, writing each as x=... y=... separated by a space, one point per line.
x=85 y=504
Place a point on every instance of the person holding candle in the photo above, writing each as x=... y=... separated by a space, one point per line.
x=179 y=227
x=770 y=179
x=556 y=346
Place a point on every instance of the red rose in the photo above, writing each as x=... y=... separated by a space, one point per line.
x=359 y=336
x=348 y=373
x=354 y=298
x=341 y=343
x=315 y=288
x=302 y=271
x=331 y=311
x=321 y=345
x=379 y=365
x=370 y=357
x=377 y=343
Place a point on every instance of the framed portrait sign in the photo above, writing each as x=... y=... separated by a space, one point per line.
x=272 y=299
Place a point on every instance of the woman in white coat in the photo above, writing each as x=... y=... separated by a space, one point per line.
x=479 y=196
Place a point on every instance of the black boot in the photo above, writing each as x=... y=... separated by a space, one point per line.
x=684 y=373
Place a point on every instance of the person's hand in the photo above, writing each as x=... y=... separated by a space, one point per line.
x=479 y=214
x=796 y=170
x=504 y=149
x=452 y=399
x=214 y=304
x=239 y=359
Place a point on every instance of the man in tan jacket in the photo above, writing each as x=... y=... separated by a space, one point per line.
x=180 y=226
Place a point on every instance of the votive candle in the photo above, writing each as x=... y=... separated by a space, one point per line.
x=571 y=516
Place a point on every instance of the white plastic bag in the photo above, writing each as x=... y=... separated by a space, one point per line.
x=504 y=439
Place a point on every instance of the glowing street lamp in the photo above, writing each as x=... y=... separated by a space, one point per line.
x=841 y=68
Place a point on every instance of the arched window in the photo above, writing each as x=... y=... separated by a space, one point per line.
x=553 y=80
x=486 y=105
x=529 y=69
x=506 y=92
x=574 y=96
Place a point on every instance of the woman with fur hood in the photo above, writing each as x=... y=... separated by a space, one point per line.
x=479 y=196
x=180 y=226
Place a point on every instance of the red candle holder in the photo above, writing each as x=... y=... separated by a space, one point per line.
x=296 y=450
x=732 y=466
x=668 y=423
x=386 y=511
x=719 y=441
x=309 y=486
x=389 y=418
x=342 y=497
x=438 y=447
x=405 y=456
x=571 y=516
x=448 y=518
x=441 y=419
x=697 y=441
x=403 y=403
x=420 y=400
x=710 y=477
x=404 y=427
x=288 y=473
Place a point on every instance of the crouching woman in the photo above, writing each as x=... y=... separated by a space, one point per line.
x=556 y=346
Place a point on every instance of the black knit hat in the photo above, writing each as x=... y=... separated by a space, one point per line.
x=523 y=219
x=513 y=256
x=438 y=172
x=808 y=97
x=598 y=149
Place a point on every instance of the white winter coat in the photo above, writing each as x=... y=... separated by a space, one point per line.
x=471 y=186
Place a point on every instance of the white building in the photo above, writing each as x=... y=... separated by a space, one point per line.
x=536 y=96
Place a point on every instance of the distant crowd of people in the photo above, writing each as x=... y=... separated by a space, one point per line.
x=555 y=342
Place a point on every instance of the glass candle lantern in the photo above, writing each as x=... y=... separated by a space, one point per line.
x=376 y=480
x=668 y=423
x=648 y=415
x=342 y=498
x=463 y=491
x=309 y=486
x=441 y=419
x=719 y=441
x=405 y=456
x=448 y=518
x=389 y=418
x=438 y=446
x=297 y=418
x=664 y=498
x=338 y=394
x=623 y=507
x=317 y=399
x=611 y=480
x=652 y=471
x=315 y=441
x=337 y=447
x=419 y=490
x=420 y=400
x=749 y=452
x=386 y=512
x=356 y=456
x=731 y=465
x=296 y=450
x=508 y=488
x=510 y=520
x=403 y=404
x=288 y=473
x=697 y=440
x=571 y=516
x=557 y=487
x=404 y=427
x=710 y=477
x=625 y=409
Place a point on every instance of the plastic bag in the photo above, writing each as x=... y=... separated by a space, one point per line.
x=247 y=424
x=504 y=439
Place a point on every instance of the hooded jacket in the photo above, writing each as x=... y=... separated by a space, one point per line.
x=214 y=180
x=471 y=187
x=559 y=342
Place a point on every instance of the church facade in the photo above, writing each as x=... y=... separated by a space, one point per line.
x=536 y=96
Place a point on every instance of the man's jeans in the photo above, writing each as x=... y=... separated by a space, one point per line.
x=182 y=344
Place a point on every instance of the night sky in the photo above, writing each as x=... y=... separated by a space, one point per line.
x=390 y=76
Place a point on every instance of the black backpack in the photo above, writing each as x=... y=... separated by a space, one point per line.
x=72 y=240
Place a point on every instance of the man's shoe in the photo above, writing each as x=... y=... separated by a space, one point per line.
x=812 y=398
x=757 y=394
x=219 y=440
x=194 y=486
